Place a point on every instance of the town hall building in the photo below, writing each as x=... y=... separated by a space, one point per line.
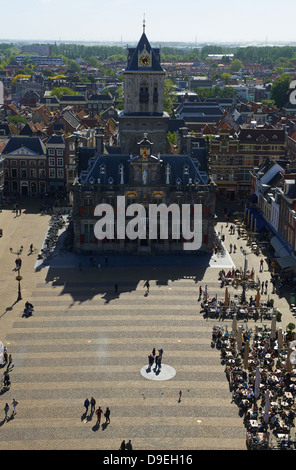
x=140 y=169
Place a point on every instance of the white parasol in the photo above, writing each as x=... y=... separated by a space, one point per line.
x=267 y=407
x=257 y=383
x=280 y=339
x=289 y=366
x=273 y=327
x=1 y=352
x=239 y=338
x=234 y=326
x=246 y=354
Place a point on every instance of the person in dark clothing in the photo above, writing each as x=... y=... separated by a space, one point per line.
x=122 y=446
x=129 y=445
x=86 y=405
x=107 y=415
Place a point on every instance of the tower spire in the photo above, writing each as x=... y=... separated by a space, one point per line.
x=144 y=24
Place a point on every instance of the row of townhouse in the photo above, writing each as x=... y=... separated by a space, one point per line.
x=272 y=209
x=32 y=167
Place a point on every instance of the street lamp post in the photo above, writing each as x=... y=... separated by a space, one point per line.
x=18 y=277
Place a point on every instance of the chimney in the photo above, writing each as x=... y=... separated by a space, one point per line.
x=99 y=138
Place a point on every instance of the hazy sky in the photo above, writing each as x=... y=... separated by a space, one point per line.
x=166 y=20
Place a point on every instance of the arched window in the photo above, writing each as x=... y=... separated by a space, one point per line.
x=144 y=95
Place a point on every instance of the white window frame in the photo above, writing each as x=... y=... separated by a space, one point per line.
x=60 y=173
x=52 y=173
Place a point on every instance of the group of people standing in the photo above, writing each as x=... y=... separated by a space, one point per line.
x=153 y=357
x=98 y=412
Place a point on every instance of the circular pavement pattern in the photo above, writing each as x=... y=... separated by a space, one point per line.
x=164 y=373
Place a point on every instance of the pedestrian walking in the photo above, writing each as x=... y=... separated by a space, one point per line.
x=86 y=405
x=99 y=414
x=129 y=445
x=5 y=356
x=107 y=415
x=206 y=292
x=14 y=404
x=261 y=265
x=9 y=361
x=230 y=246
x=262 y=287
x=122 y=446
x=180 y=396
x=200 y=292
x=147 y=285
x=92 y=405
x=6 y=409
x=266 y=285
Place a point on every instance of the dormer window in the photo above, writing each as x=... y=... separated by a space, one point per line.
x=110 y=182
x=186 y=170
x=178 y=182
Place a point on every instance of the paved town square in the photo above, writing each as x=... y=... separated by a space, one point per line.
x=86 y=340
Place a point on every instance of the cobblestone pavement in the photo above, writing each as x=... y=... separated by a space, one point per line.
x=85 y=340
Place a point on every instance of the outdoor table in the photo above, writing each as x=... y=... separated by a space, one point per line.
x=253 y=423
x=282 y=436
x=289 y=395
x=285 y=404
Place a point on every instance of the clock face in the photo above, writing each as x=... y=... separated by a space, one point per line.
x=144 y=60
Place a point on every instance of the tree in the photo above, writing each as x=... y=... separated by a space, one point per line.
x=279 y=90
x=169 y=88
x=61 y=91
x=236 y=65
x=172 y=137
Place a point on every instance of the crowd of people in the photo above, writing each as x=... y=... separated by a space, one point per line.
x=262 y=380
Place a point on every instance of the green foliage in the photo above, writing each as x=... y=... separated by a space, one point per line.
x=61 y=91
x=169 y=93
x=72 y=51
x=172 y=137
x=17 y=120
x=279 y=90
x=265 y=55
x=269 y=103
x=215 y=92
x=119 y=98
x=236 y=65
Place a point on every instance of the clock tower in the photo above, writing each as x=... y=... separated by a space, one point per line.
x=143 y=99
